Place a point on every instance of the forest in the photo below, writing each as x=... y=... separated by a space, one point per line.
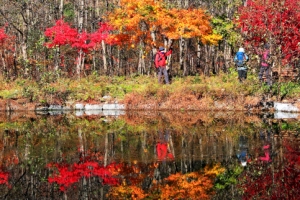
x=81 y=37
x=43 y=41
x=67 y=51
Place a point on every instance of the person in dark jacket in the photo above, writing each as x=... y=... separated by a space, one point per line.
x=161 y=63
x=265 y=65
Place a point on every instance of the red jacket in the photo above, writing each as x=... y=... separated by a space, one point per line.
x=160 y=58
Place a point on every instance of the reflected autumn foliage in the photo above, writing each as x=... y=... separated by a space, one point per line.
x=65 y=175
x=277 y=180
x=193 y=185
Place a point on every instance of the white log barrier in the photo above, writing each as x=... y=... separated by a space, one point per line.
x=286 y=107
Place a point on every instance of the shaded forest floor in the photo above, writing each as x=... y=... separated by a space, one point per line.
x=217 y=92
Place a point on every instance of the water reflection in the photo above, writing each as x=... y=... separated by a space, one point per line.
x=148 y=155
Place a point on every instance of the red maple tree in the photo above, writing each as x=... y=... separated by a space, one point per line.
x=275 y=22
x=102 y=33
x=60 y=34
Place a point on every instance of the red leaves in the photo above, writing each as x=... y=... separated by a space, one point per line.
x=62 y=34
x=102 y=33
x=274 y=22
x=272 y=181
x=70 y=174
x=83 y=41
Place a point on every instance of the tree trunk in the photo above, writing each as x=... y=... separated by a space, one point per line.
x=104 y=54
x=79 y=64
x=141 y=64
x=61 y=8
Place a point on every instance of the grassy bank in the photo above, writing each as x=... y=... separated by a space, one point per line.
x=137 y=89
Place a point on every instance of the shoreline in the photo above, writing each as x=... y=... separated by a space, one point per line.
x=10 y=105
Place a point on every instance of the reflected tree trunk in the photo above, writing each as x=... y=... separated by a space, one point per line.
x=81 y=144
x=106 y=150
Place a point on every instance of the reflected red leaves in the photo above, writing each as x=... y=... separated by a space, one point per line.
x=4 y=179
x=3 y=36
x=66 y=175
x=265 y=180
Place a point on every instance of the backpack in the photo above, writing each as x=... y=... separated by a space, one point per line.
x=240 y=59
x=154 y=57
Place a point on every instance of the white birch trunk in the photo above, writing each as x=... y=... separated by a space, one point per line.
x=104 y=53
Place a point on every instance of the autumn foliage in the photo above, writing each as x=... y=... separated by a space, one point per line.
x=3 y=36
x=60 y=34
x=195 y=185
x=4 y=178
x=66 y=175
x=135 y=21
x=275 y=22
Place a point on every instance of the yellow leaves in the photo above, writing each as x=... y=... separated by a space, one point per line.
x=217 y=169
x=211 y=39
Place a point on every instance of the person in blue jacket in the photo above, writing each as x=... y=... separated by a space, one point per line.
x=240 y=60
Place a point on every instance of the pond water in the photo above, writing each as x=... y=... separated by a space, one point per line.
x=149 y=155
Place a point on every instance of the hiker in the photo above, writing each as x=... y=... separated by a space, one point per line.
x=162 y=147
x=266 y=146
x=242 y=154
x=265 y=65
x=240 y=60
x=161 y=63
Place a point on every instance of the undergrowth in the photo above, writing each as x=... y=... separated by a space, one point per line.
x=146 y=88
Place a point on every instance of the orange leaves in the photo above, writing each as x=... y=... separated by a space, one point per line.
x=181 y=23
x=186 y=23
x=132 y=21
x=137 y=19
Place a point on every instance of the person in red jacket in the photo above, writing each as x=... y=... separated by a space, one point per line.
x=162 y=147
x=161 y=63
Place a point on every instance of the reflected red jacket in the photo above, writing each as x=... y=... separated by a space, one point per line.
x=162 y=151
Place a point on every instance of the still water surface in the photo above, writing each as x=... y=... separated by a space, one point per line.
x=149 y=155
